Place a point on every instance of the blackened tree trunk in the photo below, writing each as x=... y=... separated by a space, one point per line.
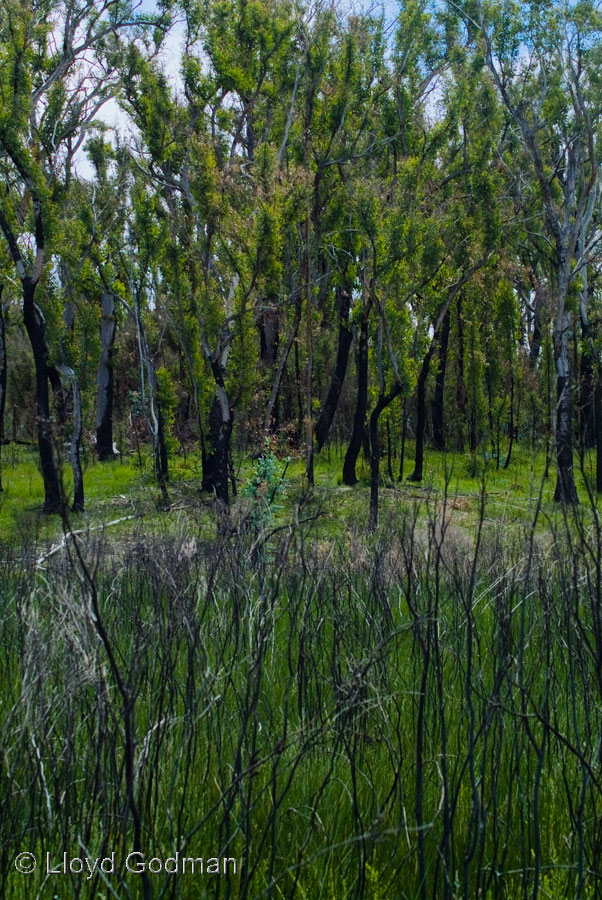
x=473 y=437
x=437 y=407
x=441 y=325
x=270 y=417
x=421 y=414
x=587 y=388
x=361 y=406
x=460 y=382
x=587 y=366
x=217 y=447
x=217 y=452
x=404 y=431
x=511 y=428
x=269 y=335
x=383 y=401
x=389 y=452
x=104 y=397
x=345 y=339
x=298 y=396
x=598 y=430
x=309 y=416
x=35 y=326
x=3 y=370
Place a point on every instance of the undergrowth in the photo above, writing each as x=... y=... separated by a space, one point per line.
x=411 y=714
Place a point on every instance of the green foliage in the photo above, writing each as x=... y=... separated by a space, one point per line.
x=168 y=402
x=265 y=486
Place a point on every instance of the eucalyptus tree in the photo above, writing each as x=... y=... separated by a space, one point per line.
x=457 y=224
x=384 y=185
x=341 y=91
x=135 y=267
x=544 y=60
x=102 y=214
x=57 y=67
x=212 y=156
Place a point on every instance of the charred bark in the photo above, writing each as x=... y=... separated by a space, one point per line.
x=35 y=326
x=404 y=432
x=355 y=444
x=598 y=430
x=461 y=393
x=345 y=339
x=421 y=414
x=269 y=336
x=104 y=379
x=217 y=445
x=437 y=407
x=3 y=371
x=270 y=417
x=587 y=390
x=511 y=427
x=382 y=403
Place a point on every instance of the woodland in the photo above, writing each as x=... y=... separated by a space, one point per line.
x=323 y=226
x=301 y=446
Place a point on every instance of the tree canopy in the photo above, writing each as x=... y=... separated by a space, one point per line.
x=326 y=226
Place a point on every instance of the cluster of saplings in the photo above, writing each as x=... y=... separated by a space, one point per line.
x=308 y=222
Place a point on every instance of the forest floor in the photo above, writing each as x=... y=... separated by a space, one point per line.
x=122 y=492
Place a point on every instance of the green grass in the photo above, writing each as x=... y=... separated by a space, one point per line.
x=277 y=709
x=127 y=487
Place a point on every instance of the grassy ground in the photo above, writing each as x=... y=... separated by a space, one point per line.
x=126 y=487
x=404 y=715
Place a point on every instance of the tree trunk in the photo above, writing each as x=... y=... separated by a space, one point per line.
x=334 y=392
x=217 y=450
x=76 y=437
x=269 y=413
x=217 y=456
x=389 y=453
x=104 y=378
x=510 y=421
x=404 y=431
x=3 y=368
x=473 y=438
x=152 y=409
x=309 y=417
x=535 y=343
x=299 y=396
x=269 y=336
x=586 y=374
x=460 y=383
x=566 y=491
x=161 y=459
x=383 y=402
x=438 y=421
x=598 y=430
x=421 y=414
x=36 y=328
x=355 y=444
